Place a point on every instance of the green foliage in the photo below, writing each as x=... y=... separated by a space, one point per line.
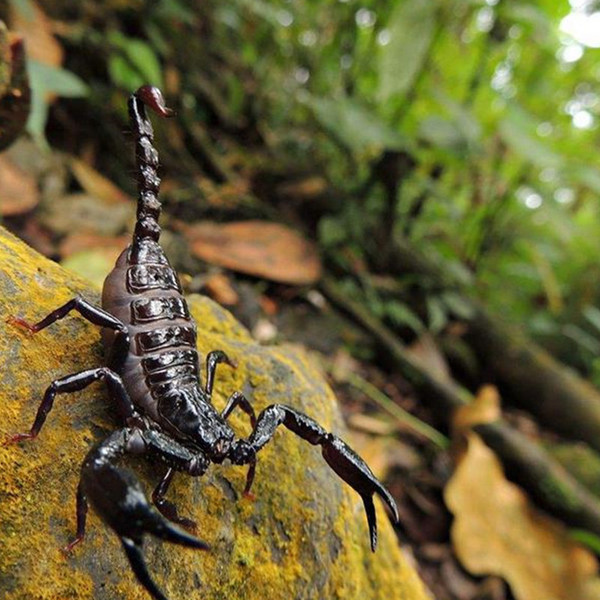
x=410 y=29
x=484 y=99
x=587 y=538
x=475 y=93
x=354 y=126
x=45 y=80
x=133 y=63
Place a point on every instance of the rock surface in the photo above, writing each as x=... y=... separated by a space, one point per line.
x=303 y=537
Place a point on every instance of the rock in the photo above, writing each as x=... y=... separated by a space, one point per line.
x=303 y=537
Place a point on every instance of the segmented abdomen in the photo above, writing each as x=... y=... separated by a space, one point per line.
x=144 y=292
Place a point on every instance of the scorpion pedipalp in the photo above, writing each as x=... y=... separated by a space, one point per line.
x=346 y=463
x=118 y=497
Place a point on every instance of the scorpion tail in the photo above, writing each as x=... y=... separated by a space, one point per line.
x=146 y=155
x=119 y=499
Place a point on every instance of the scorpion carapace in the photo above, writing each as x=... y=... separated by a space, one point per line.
x=153 y=377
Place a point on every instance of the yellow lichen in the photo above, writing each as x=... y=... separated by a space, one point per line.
x=304 y=536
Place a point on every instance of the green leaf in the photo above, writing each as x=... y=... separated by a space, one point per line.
x=458 y=305
x=264 y=10
x=401 y=315
x=518 y=131
x=582 y=338
x=137 y=57
x=144 y=59
x=587 y=538
x=587 y=176
x=44 y=79
x=123 y=74
x=441 y=133
x=592 y=314
x=331 y=231
x=463 y=119
x=411 y=26
x=55 y=80
x=355 y=126
x=436 y=314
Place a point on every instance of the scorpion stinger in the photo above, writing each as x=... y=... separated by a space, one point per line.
x=153 y=378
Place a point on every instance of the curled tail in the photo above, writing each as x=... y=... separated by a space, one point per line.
x=148 y=209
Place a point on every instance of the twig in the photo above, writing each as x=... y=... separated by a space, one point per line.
x=399 y=413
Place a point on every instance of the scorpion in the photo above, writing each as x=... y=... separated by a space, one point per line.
x=153 y=378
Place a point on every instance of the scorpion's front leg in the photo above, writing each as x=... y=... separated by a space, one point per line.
x=119 y=499
x=340 y=457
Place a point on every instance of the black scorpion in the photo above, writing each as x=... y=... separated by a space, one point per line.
x=153 y=377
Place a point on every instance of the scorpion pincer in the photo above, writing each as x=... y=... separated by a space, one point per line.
x=153 y=378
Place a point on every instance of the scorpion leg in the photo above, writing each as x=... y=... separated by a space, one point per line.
x=94 y=315
x=88 y=311
x=348 y=465
x=238 y=399
x=212 y=360
x=74 y=383
x=168 y=509
x=119 y=499
x=82 y=508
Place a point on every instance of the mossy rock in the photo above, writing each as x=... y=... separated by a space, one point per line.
x=303 y=537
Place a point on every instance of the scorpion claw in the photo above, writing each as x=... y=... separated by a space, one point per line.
x=355 y=471
x=119 y=499
x=133 y=550
x=160 y=527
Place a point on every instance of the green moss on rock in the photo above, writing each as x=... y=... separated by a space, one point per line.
x=304 y=537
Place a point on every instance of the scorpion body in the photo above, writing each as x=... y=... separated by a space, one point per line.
x=153 y=376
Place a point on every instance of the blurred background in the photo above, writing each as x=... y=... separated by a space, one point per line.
x=408 y=188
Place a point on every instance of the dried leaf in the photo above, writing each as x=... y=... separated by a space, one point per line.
x=484 y=409
x=84 y=213
x=95 y=184
x=218 y=287
x=36 y=28
x=304 y=189
x=111 y=247
x=19 y=193
x=497 y=531
x=259 y=248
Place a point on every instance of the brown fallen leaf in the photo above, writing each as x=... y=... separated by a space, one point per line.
x=259 y=248
x=18 y=190
x=36 y=28
x=81 y=212
x=218 y=287
x=485 y=409
x=497 y=531
x=111 y=247
x=304 y=189
x=95 y=184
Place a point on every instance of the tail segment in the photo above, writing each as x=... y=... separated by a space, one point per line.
x=149 y=206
